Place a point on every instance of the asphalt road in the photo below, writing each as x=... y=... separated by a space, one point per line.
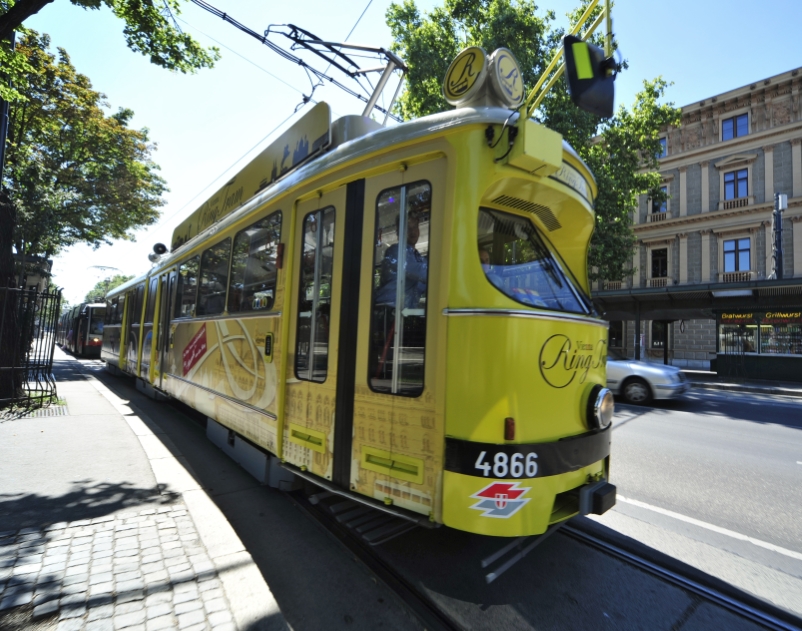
x=562 y=585
x=715 y=479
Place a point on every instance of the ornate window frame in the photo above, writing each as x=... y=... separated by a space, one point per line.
x=736 y=163
x=735 y=114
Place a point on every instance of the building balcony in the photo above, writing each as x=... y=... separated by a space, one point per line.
x=658 y=282
x=738 y=202
x=653 y=217
x=613 y=285
x=736 y=277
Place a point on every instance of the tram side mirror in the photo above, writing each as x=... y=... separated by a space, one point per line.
x=590 y=76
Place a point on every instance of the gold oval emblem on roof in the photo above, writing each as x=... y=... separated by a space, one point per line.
x=465 y=75
x=507 y=77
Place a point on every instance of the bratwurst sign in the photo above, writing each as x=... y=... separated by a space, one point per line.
x=562 y=360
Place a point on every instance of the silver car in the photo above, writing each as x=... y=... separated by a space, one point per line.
x=640 y=382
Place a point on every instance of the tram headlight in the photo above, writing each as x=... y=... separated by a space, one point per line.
x=601 y=406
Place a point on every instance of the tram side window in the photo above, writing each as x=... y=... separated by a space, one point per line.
x=150 y=308
x=111 y=311
x=253 y=266
x=187 y=288
x=518 y=263
x=136 y=314
x=314 y=300
x=398 y=312
x=214 y=278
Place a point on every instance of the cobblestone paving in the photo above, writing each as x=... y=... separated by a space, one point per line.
x=143 y=570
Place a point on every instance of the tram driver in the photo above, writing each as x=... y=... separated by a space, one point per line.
x=416 y=269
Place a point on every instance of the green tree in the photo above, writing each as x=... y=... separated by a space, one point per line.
x=147 y=30
x=74 y=174
x=101 y=288
x=621 y=151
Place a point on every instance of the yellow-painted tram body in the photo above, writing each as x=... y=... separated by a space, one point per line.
x=462 y=391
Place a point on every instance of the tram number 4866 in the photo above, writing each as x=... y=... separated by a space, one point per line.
x=502 y=466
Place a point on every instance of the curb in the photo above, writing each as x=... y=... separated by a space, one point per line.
x=252 y=602
x=735 y=387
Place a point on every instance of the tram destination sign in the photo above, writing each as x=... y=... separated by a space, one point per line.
x=305 y=139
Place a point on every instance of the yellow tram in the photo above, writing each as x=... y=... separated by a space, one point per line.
x=466 y=390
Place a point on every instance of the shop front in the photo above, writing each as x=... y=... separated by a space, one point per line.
x=760 y=344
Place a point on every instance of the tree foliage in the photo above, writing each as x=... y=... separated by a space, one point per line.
x=75 y=175
x=101 y=288
x=147 y=30
x=621 y=151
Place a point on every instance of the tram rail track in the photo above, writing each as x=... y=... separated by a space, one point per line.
x=430 y=615
x=433 y=618
x=683 y=576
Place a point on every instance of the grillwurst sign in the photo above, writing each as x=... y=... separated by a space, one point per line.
x=562 y=360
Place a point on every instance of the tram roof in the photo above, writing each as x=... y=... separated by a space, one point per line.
x=347 y=152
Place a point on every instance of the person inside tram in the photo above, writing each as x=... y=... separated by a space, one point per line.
x=484 y=259
x=416 y=269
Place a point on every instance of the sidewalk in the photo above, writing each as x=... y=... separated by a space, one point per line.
x=710 y=380
x=103 y=525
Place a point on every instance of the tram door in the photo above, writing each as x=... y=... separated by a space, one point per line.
x=313 y=304
x=147 y=328
x=168 y=283
x=134 y=304
x=397 y=432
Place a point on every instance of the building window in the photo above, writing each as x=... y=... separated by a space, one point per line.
x=735 y=127
x=659 y=329
x=736 y=184
x=663 y=148
x=616 y=334
x=661 y=206
x=736 y=255
x=660 y=263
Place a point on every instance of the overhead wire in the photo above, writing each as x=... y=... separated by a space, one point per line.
x=233 y=164
x=277 y=127
x=288 y=55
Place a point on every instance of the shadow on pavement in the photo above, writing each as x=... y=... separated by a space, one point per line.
x=86 y=501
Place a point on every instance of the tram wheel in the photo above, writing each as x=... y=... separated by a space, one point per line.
x=637 y=391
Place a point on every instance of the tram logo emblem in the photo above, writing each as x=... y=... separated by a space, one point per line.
x=500 y=499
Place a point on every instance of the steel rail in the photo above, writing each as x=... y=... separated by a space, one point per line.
x=752 y=612
x=428 y=613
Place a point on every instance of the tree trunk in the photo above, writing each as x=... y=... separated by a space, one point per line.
x=17 y=14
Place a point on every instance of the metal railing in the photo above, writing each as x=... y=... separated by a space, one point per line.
x=738 y=202
x=28 y=320
x=736 y=277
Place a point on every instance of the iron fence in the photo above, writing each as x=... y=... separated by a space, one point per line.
x=28 y=321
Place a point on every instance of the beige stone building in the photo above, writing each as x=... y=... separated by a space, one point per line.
x=704 y=291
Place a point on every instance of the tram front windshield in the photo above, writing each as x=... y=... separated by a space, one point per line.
x=96 y=318
x=518 y=263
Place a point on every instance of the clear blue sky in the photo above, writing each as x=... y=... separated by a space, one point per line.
x=204 y=123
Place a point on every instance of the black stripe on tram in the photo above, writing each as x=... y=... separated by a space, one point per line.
x=349 y=311
x=554 y=458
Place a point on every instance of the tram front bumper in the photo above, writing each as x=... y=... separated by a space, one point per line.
x=516 y=490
